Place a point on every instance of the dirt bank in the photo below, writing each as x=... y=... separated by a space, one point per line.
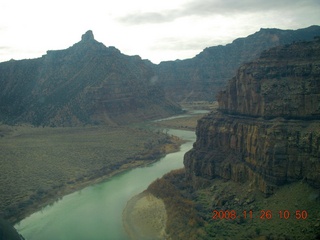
x=145 y=217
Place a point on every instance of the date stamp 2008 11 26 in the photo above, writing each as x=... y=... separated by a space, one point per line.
x=263 y=214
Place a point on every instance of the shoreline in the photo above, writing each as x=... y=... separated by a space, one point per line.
x=146 y=158
x=57 y=194
x=139 y=219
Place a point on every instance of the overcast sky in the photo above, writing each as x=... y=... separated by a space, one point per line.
x=157 y=30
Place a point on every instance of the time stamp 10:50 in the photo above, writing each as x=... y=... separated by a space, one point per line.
x=263 y=214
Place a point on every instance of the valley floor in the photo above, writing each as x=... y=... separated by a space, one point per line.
x=40 y=165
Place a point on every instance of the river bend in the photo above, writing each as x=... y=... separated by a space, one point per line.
x=95 y=212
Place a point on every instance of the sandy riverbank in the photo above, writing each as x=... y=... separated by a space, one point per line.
x=145 y=217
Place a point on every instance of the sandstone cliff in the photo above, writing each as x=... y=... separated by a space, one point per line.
x=201 y=77
x=267 y=129
x=87 y=83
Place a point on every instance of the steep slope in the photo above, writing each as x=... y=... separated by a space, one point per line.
x=267 y=131
x=202 y=77
x=84 y=84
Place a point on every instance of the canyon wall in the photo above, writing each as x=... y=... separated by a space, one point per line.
x=203 y=76
x=267 y=129
x=87 y=83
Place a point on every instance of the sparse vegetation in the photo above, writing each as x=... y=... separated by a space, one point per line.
x=39 y=165
x=190 y=211
x=186 y=123
x=183 y=221
x=189 y=122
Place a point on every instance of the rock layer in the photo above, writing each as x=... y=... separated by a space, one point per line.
x=87 y=83
x=267 y=130
x=203 y=76
x=283 y=82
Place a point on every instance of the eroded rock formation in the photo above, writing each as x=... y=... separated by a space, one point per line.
x=267 y=129
x=203 y=76
x=87 y=83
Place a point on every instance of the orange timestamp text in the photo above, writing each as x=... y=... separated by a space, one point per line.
x=263 y=214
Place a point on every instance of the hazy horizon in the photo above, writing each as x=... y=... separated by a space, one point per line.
x=158 y=31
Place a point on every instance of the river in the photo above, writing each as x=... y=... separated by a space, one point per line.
x=95 y=212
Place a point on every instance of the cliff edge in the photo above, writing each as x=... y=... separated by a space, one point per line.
x=203 y=76
x=267 y=129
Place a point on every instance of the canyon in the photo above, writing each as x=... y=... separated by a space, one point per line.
x=267 y=127
x=258 y=151
x=87 y=83
x=202 y=77
x=264 y=136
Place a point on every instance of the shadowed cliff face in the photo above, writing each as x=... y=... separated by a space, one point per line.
x=86 y=83
x=284 y=82
x=202 y=77
x=267 y=130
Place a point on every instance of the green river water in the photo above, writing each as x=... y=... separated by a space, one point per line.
x=95 y=212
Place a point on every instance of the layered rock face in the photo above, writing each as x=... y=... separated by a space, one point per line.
x=87 y=83
x=267 y=129
x=283 y=82
x=202 y=77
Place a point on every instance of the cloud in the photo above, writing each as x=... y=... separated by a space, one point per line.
x=176 y=43
x=227 y=7
x=148 y=17
x=205 y=8
x=5 y=48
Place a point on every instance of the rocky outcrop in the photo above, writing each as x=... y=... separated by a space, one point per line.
x=202 y=77
x=88 y=83
x=283 y=82
x=88 y=36
x=267 y=130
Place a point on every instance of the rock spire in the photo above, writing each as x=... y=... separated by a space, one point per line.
x=88 y=36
